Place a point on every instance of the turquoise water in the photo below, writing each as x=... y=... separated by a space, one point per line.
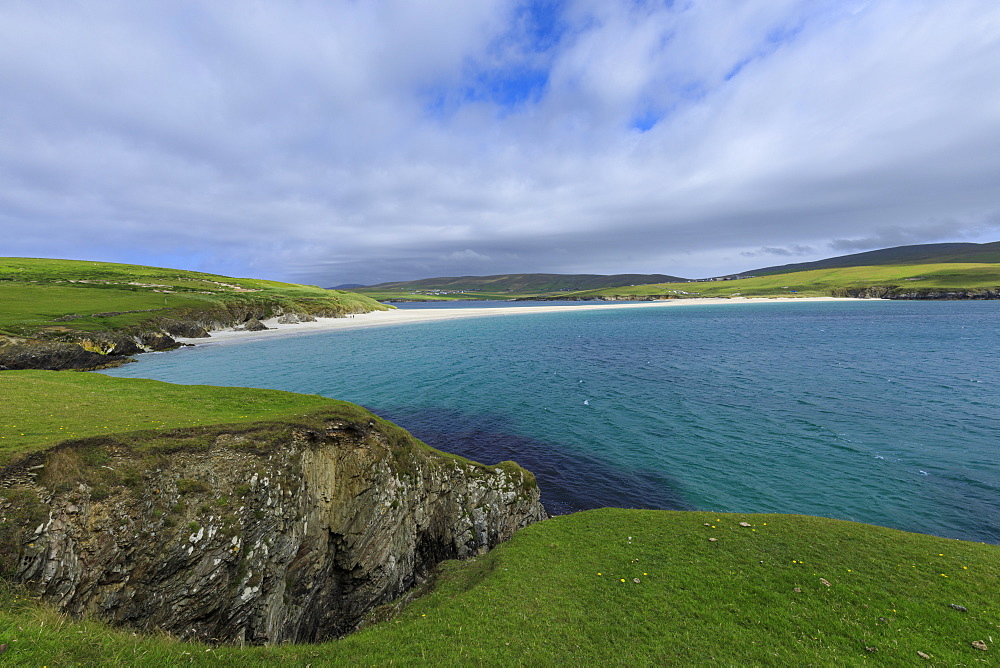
x=880 y=412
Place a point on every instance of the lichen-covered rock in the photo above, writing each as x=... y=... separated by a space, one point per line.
x=53 y=355
x=252 y=325
x=157 y=341
x=183 y=328
x=267 y=534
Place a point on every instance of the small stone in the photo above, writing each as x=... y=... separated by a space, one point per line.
x=824 y=581
x=883 y=620
x=979 y=644
x=871 y=649
x=744 y=524
x=712 y=540
x=797 y=590
x=959 y=607
x=707 y=524
x=636 y=580
x=923 y=656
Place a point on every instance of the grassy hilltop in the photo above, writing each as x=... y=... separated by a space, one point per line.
x=827 y=282
x=40 y=296
x=604 y=587
x=906 y=270
x=70 y=314
x=809 y=283
x=504 y=286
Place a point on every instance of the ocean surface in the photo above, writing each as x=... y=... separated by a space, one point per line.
x=883 y=412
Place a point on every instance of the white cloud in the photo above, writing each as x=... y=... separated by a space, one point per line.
x=358 y=142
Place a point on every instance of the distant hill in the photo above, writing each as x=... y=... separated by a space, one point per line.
x=57 y=314
x=979 y=268
x=347 y=286
x=525 y=283
x=916 y=254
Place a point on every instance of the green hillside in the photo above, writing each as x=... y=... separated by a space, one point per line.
x=42 y=408
x=965 y=253
x=630 y=587
x=505 y=286
x=823 y=282
x=969 y=268
x=43 y=295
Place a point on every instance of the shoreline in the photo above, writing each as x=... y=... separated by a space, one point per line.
x=396 y=317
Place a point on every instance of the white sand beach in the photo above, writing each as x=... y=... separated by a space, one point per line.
x=413 y=316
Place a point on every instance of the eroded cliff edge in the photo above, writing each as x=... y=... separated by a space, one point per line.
x=268 y=533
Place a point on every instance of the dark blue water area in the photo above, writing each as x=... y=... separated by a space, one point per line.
x=879 y=412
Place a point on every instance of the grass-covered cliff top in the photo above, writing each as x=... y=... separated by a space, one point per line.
x=627 y=587
x=41 y=294
x=44 y=408
x=606 y=587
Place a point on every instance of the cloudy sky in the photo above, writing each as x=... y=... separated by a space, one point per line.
x=370 y=140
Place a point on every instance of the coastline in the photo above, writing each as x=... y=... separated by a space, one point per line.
x=413 y=316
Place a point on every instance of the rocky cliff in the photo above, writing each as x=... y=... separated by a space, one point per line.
x=260 y=534
x=58 y=348
x=898 y=292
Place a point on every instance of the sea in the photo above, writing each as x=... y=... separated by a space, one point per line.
x=884 y=412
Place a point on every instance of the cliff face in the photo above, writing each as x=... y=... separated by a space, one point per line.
x=266 y=534
x=58 y=347
x=897 y=292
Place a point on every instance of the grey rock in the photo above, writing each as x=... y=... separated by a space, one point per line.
x=269 y=534
x=253 y=325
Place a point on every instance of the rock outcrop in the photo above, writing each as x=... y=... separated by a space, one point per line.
x=898 y=292
x=57 y=347
x=262 y=534
x=18 y=353
x=252 y=325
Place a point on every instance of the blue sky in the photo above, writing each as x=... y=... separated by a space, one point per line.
x=331 y=142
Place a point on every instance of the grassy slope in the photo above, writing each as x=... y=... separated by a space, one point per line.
x=34 y=291
x=409 y=295
x=42 y=408
x=524 y=282
x=915 y=254
x=812 y=283
x=820 y=282
x=554 y=596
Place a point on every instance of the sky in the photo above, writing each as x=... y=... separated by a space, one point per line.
x=361 y=141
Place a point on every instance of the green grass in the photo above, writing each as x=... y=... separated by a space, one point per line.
x=821 y=282
x=388 y=294
x=554 y=596
x=42 y=408
x=812 y=283
x=503 y=284
x=33 y=292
